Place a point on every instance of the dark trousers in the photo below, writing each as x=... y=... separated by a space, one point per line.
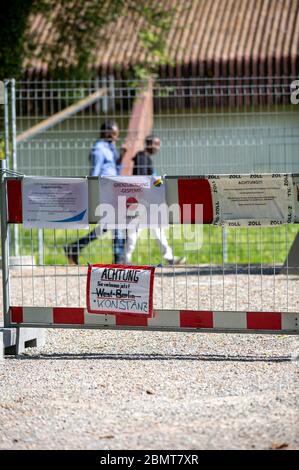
x=119 y=242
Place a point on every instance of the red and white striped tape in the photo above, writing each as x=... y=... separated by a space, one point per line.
x=163 y=319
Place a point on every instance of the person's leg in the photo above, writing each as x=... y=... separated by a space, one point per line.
x=165 y=248
x=132 y=235
x=72 y=250
x=119 y=241
x=163 y=243
x=84 y=241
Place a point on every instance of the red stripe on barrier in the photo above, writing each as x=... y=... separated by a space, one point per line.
x=189 y=318
x=130 y=320
x=16 y=314
x=195 y=191
x=14 y=201
x=68 y=316
x=263 y=321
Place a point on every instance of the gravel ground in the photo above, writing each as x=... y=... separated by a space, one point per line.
x=148 y=390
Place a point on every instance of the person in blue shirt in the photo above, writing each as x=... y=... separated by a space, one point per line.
x=104 y=162
x=104 y=156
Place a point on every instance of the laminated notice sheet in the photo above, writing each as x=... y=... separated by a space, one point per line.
x=253 y=200
x=55 y=202
x=132 y=201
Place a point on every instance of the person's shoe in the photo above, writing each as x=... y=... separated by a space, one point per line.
x=71 y=255
x=176 y=260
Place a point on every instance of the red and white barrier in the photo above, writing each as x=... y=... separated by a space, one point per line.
x=178 y=191
x=176 y=320
x=191 y=191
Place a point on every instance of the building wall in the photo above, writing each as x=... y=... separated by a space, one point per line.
x=229 y=142
x=198 y=143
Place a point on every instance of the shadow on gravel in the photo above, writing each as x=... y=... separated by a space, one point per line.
x=157 y=357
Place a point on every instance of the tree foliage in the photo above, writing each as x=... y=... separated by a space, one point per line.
x=78 y=26
x=13 y=20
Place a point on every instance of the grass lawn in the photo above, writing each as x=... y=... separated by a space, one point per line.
x=266 y=245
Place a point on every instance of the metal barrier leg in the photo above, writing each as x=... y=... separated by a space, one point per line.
x=14 y=341
x=18 y=345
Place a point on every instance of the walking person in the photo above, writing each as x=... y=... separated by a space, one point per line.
x=104 y=162
x=143 y=165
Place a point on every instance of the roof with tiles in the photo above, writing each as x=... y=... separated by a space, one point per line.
x=210 y=38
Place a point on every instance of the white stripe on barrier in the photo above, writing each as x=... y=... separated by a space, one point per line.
x=40 y=314
x=166 y=318
x=230 y=320
x=290 y=321
x=172 y=197
x=93 y=319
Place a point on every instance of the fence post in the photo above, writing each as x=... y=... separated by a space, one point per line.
x=4 y=225
x=4 y=247
x=14 y=154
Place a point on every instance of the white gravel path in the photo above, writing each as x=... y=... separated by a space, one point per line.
x=148 y=390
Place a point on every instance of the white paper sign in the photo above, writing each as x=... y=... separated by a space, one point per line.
x=253 y=200
x=55 y=202
x=131 y=201
x=119 y=289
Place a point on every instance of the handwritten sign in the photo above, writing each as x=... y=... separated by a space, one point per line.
x=116 y=289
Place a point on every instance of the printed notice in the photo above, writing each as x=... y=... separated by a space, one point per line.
x=253 y=200
x=55 y=202
x=133 y=201
x=120 y=289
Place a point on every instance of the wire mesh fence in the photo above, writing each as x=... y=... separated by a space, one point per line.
x=208 y=126
x=252 y=278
